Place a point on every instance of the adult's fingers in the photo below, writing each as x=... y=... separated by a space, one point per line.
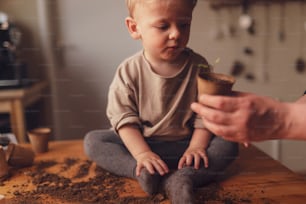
x=213 y=115
x=226 y=131
x=224 y=103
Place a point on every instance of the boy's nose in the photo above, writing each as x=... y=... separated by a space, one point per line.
x=174 y=33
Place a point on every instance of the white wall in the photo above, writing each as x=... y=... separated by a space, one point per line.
x=90 y=42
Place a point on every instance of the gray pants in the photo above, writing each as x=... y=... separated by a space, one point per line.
x=107 y=149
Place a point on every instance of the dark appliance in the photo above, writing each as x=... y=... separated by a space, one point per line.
x=12 y=71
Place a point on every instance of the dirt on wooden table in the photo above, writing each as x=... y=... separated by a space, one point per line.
x=74 y=180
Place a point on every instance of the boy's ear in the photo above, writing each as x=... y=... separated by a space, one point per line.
x=132 y=28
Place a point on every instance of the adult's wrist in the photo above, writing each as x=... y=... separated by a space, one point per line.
x=295 y=122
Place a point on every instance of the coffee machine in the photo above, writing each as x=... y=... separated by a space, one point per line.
x=12 y=71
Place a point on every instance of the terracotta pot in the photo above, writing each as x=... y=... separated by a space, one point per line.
x=19 y=156
x=4 y=168
x=215 y=84
x=39 y=139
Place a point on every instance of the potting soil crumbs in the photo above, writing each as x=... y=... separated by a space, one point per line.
x=103 y=187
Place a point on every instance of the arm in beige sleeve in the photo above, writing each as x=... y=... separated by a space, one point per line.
x=133 y=140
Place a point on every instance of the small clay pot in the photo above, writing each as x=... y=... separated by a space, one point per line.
x=39 y=139
x=215 y=84
x=4 y=168
x=18 y=156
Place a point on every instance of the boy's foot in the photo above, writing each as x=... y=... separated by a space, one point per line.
x=149 y=182
x=179 y=189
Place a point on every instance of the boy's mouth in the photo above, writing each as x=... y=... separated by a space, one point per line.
x=173 y=48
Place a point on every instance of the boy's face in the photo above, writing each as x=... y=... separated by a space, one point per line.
x=163 y=27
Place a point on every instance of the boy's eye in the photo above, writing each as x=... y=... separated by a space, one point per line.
x=184 y=25
x=162 y=27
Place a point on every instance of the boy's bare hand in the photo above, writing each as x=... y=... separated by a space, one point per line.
x=152 y=162
x=193 y=155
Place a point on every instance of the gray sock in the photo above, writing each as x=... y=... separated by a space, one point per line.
x=149 y=182
x=179 y=189
x=179 y=186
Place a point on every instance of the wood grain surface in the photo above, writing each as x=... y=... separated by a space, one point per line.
x=253 y=178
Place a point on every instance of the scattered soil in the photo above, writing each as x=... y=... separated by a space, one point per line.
x=83 y=170
x=103 y=187
x=68 y=163
x=40 y=166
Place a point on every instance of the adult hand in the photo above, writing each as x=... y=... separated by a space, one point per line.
x=243 y=117
x=193 y=156
x=152 y=162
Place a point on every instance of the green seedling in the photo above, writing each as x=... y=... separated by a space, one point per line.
x=207 y=66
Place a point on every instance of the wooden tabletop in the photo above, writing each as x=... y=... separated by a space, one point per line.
x=253 y=178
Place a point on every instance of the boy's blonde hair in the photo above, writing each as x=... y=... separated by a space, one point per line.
x=131 y=4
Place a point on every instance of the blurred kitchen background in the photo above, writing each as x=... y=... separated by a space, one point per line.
x=76 y=46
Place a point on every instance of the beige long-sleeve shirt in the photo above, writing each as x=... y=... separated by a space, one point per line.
x=159 y=105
